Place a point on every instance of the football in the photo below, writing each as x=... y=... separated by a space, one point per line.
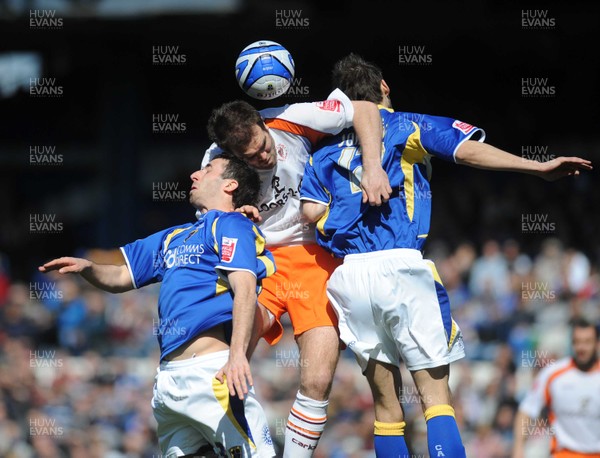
x=264 y=70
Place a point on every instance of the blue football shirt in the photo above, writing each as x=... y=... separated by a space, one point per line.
x=192 y=262
x=333 y=173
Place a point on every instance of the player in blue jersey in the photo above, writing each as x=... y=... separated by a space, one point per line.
x=390 y=301
x=210 y=272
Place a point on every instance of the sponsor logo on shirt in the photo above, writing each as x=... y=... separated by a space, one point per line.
x=282 y=151
x=329 y=105
x=228 y=249
x=464 y=127
x=281 y=194
x=183 y=255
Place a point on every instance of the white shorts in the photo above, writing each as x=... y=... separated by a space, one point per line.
x=194 y=410
x=391 y=304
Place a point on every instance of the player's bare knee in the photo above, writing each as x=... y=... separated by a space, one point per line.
x=316 y=389
x=316 y=383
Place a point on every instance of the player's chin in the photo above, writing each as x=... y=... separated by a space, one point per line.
x=584 y=360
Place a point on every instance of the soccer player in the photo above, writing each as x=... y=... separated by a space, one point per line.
x=390 y=301
x=277 y=142
x=569 y=390
x=210 y=271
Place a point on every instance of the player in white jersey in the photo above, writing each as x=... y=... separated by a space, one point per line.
x=570 y=393
x=277 y=142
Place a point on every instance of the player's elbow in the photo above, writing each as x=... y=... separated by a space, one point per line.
x=466 y=152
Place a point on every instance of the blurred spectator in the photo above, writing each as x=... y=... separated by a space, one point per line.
x=490 y=274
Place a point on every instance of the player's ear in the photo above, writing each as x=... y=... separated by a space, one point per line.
x=230 y=185
x=385 y=89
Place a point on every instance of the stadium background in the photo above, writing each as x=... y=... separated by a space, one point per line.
x=80 y=173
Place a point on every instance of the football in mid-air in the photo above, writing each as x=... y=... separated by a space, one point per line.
x=264 y=70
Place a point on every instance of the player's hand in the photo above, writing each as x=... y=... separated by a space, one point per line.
x=562 y=167
x=251 y=212
x=375 y=186
x=66 y=265
x=237 y=375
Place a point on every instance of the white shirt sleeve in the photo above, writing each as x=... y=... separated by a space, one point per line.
x=212 y=151
x=329 y=116
x=338 y=94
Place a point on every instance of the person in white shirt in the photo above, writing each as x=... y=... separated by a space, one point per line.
x=569 y=391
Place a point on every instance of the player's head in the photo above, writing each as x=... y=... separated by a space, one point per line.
x=225 y=183
x=360 y=80
x=585 y=342
x=239 y=129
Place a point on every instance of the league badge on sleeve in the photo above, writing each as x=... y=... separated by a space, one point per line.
x=464 y=127
x=329 y=105
x=228 y=248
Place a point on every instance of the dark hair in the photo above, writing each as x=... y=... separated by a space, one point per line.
x=230 y=125
x=359 y=79
x=248 y=181
x=583 y=323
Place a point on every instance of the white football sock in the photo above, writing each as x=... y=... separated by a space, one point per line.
x=304 y=427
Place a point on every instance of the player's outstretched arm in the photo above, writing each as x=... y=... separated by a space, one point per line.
x=108 y=277
x=237 y=370
x=484 y=156
x=367 y=124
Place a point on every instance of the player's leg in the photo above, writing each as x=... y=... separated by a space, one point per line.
x=319 y=353
x=313 y=320
x=385 y=382
x=443 y=436
x=428 y=347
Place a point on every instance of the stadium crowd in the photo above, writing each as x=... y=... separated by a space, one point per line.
x=77 y=365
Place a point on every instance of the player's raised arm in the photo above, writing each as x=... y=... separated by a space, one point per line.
x=484 y=156
x=367 y=124
x=237 y=369
x=108 y=277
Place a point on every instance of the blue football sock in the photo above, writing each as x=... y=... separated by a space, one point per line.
x=443 y=437
x=389 y=440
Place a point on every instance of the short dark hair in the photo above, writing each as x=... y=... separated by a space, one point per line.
x=248 y=188
x=230 y=125
x=359 y=79
x=580 y=322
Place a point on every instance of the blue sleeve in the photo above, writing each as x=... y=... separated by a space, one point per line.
x=144 y=258
x=312 y=189
x=241 y=246
x=442 y=136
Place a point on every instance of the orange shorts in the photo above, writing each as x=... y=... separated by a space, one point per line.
x=299 y=287
x=570 y=454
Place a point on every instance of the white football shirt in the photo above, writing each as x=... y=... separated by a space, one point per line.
x=573 y=401
x=295 y=129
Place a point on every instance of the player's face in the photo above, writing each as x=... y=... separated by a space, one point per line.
x=206 y=182
x=584 y=346
x=260 y=152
